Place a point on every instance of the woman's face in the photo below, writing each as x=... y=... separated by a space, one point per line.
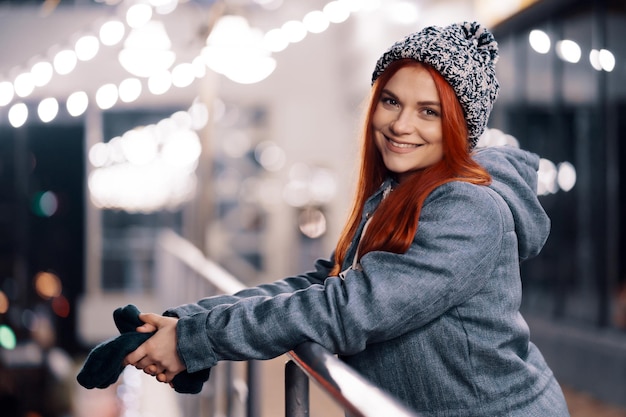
x=407 y=122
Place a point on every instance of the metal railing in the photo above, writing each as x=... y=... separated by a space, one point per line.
x=184 y=275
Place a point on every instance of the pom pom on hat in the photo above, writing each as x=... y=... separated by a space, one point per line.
x=465 y=54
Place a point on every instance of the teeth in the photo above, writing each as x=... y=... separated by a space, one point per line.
x=402 y=145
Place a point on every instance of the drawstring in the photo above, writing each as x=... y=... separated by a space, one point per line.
x=355 y=260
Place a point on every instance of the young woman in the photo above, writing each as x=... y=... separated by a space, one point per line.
x=422 y=292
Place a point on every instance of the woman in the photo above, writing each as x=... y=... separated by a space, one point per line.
x=423 y=290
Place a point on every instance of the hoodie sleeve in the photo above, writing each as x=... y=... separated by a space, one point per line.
x=460 y=233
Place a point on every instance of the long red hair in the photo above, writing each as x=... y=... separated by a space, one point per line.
x=393 y=227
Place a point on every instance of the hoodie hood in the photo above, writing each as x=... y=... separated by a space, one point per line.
x=514 y=178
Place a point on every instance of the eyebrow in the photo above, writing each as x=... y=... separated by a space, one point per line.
x=421 y=103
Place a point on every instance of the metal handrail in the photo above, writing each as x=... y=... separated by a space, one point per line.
x=351 y=391
x=356 y=395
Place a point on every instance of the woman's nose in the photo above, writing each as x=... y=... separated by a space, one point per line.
x=402 y=125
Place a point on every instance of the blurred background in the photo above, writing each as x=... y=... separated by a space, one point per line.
x=234 y=125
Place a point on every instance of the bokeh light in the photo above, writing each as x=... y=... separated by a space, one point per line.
x=336 y=11
x=87 y=47
x=539 y=41
x=316 y=21
x=112 y=32
x=106 y=96
x=159 y=83
x=602 y=59
x=7 y=337
x=45 y=204
x=4 y=303
x=6 y=93
x=183 y=75
x=48 y=109
x=130 y=90
x=270 y=156
x=275 y=40
x=547 y=175
x=18 y=114
x=77 y=103
x=24 y=84
x=294 y=30
x=566 y=177
x=65 y=61
x=42 y=73
x=312 y=222
x=48 y=285
x=568 y=51
x=61 y=306
x=138 y=147
x=138 y=15
x=149 y=168
x=147 y=50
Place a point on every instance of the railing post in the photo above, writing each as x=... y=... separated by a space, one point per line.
x=296 y=391
x=253 y=403
x=231 y=391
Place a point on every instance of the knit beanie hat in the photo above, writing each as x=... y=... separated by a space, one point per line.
x=465 y=54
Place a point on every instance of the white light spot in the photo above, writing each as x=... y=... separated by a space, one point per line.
x=48 y=109
x=539 y=41
x=77 y=103
x=568 y=51
x=18 y=114
x=106 y=96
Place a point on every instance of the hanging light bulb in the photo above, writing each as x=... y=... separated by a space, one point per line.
x=238 y=51
x=77 y=103
x=48 y=109
x=6 y=93
x=147 y=50
x=18 y=114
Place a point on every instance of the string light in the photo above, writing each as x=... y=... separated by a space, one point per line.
x=112 y=32
x=130 y=90
x=42 y=73
x=48 y=109
x=77 y=103
x=106 y=96
x=87 y=47
x=24 y=84
x=138 y=16
x=570 y=51
x=6 y=93
x=18 y=114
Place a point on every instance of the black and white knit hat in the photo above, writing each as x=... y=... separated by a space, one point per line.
x=465 y=54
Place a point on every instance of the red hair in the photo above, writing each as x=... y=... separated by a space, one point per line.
x=393 y=227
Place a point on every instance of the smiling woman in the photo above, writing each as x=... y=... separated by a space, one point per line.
x=422 y=292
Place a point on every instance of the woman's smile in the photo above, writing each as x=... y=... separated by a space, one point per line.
x=401 y=144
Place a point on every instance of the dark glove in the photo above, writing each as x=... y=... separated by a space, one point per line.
x=105 y=362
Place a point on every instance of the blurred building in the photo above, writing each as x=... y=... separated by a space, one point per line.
x=240 y=134
x=563 y=96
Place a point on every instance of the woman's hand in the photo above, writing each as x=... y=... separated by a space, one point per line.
x=157 y=356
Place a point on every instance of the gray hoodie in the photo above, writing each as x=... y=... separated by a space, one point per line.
x=438 y=327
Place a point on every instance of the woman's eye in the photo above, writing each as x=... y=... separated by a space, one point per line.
x=390 y=101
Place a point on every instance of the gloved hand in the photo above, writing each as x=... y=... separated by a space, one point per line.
x=105 y=362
